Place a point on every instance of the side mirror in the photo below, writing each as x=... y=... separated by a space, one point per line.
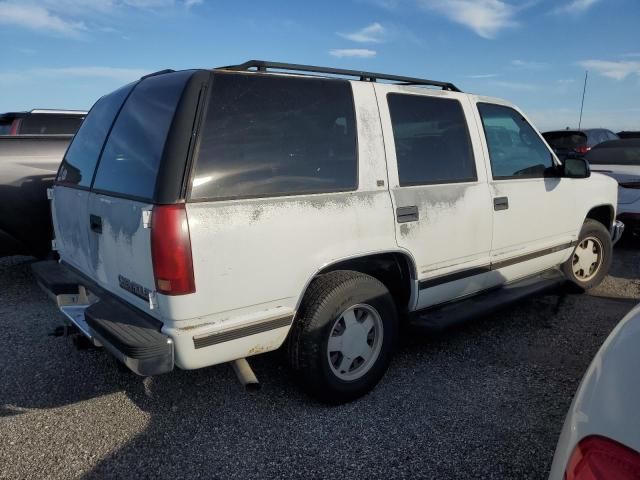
x=576 y=168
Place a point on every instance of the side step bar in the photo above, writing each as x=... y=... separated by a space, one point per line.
x=130 y=335
x=443 y=316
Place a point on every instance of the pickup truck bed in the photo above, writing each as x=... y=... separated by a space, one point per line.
x=28 y=164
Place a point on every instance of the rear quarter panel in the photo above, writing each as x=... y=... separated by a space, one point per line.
x=255 y=256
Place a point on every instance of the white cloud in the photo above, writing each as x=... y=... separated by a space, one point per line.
x=111 y=73
x=35 y=17
x=120 y=75
x=373 y=33
x=575 y=6
x=484 y=75
x=67 y=17
x=353 y=52
x=529 y=64
x=386 y=4
x=516 y=85
x=631 y=55
x=484 y=17
x=612 y=69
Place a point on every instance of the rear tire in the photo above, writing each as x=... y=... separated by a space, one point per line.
x=590 y=260
x=344 y=335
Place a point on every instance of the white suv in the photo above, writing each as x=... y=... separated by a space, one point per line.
x=204 y=216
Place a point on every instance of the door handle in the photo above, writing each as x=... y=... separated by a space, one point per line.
x=96 y=223
x=500 y=203
x=407 y=214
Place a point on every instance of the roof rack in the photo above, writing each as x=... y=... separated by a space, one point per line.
x=263 y=66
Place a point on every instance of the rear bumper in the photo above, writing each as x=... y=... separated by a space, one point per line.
x=131 y=336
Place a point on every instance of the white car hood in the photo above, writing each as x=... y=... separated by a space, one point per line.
x=622 y=174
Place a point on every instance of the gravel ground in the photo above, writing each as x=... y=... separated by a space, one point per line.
x=484 y=400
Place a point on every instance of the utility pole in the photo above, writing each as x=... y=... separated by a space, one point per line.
x=584 y=90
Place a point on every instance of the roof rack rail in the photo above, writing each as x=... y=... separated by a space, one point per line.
x=263 y=66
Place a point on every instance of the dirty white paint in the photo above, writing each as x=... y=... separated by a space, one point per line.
x=455 y=222
x=253 y=258
x=70 y=214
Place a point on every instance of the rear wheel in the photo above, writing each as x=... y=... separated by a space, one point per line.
x=342 y=341
x=591 y=259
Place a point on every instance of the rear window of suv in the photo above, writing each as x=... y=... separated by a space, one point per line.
x=274 y=135
x=565 y=139
x=81 y=158
x=131 y=157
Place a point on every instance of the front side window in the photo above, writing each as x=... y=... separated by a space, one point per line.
x=273 y=135
x=81 y=158
x=515 y=149
x=432 y=140
x=131 y=157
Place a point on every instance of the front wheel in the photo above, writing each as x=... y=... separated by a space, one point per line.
x=591 y=259
x=344 y=335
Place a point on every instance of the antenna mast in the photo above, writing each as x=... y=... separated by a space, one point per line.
x=584 y=90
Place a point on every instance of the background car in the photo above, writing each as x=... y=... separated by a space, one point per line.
x=41 y=122
x=600 y=439
x=32 y=145
x=620 y=159
x=571 y=142
x=629 y=134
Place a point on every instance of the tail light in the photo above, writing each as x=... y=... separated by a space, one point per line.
x=599 y=458
x=171 y=250
x=630 y=185
x=14 y=127
x=582 y=149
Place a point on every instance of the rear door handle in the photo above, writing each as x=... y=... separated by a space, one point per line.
x=500 y=203
x=407 y=214
x=96 y=223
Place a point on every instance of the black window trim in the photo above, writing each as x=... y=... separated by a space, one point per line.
x=546 y=173
x=473 y=179
x=196 y=150
x=194 y=144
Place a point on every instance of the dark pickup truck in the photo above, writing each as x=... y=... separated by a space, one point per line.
x=28 y=165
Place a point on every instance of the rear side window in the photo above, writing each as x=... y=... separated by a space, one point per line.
x=432 y=140
x=131 y=157
x=269 y=136
x=39 y=124
x=81 y=158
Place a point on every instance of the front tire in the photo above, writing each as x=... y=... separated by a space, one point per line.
x=344 y=335
x=590 y=261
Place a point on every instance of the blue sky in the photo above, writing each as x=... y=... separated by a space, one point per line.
x=67 y=53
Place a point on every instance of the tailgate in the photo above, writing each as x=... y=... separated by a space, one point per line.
x=120 y=248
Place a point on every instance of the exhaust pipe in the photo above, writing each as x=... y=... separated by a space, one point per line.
x=245 y=374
